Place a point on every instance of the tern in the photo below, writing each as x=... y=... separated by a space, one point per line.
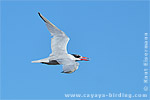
x=59 y=55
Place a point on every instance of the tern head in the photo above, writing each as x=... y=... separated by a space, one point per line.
x=80 y=58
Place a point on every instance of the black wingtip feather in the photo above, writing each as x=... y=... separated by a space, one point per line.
x=62 y=72
x=41 y=16
x=39 y=13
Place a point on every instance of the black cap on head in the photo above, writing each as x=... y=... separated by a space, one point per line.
x=76 y=56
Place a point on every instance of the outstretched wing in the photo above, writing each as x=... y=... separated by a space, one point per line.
x=60 y=39
x=69 y=65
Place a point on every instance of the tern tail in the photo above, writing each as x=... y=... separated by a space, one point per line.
x=46 y=60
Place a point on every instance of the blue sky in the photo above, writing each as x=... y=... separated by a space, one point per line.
x=110 y=33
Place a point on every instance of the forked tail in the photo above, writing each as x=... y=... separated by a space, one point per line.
x=45 y=60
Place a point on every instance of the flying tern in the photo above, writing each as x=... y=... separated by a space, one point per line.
x=59 y=55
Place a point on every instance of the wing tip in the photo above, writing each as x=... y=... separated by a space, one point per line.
x=41 y=16
x=69 y=72
x=39 y=13
x=62 y=72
